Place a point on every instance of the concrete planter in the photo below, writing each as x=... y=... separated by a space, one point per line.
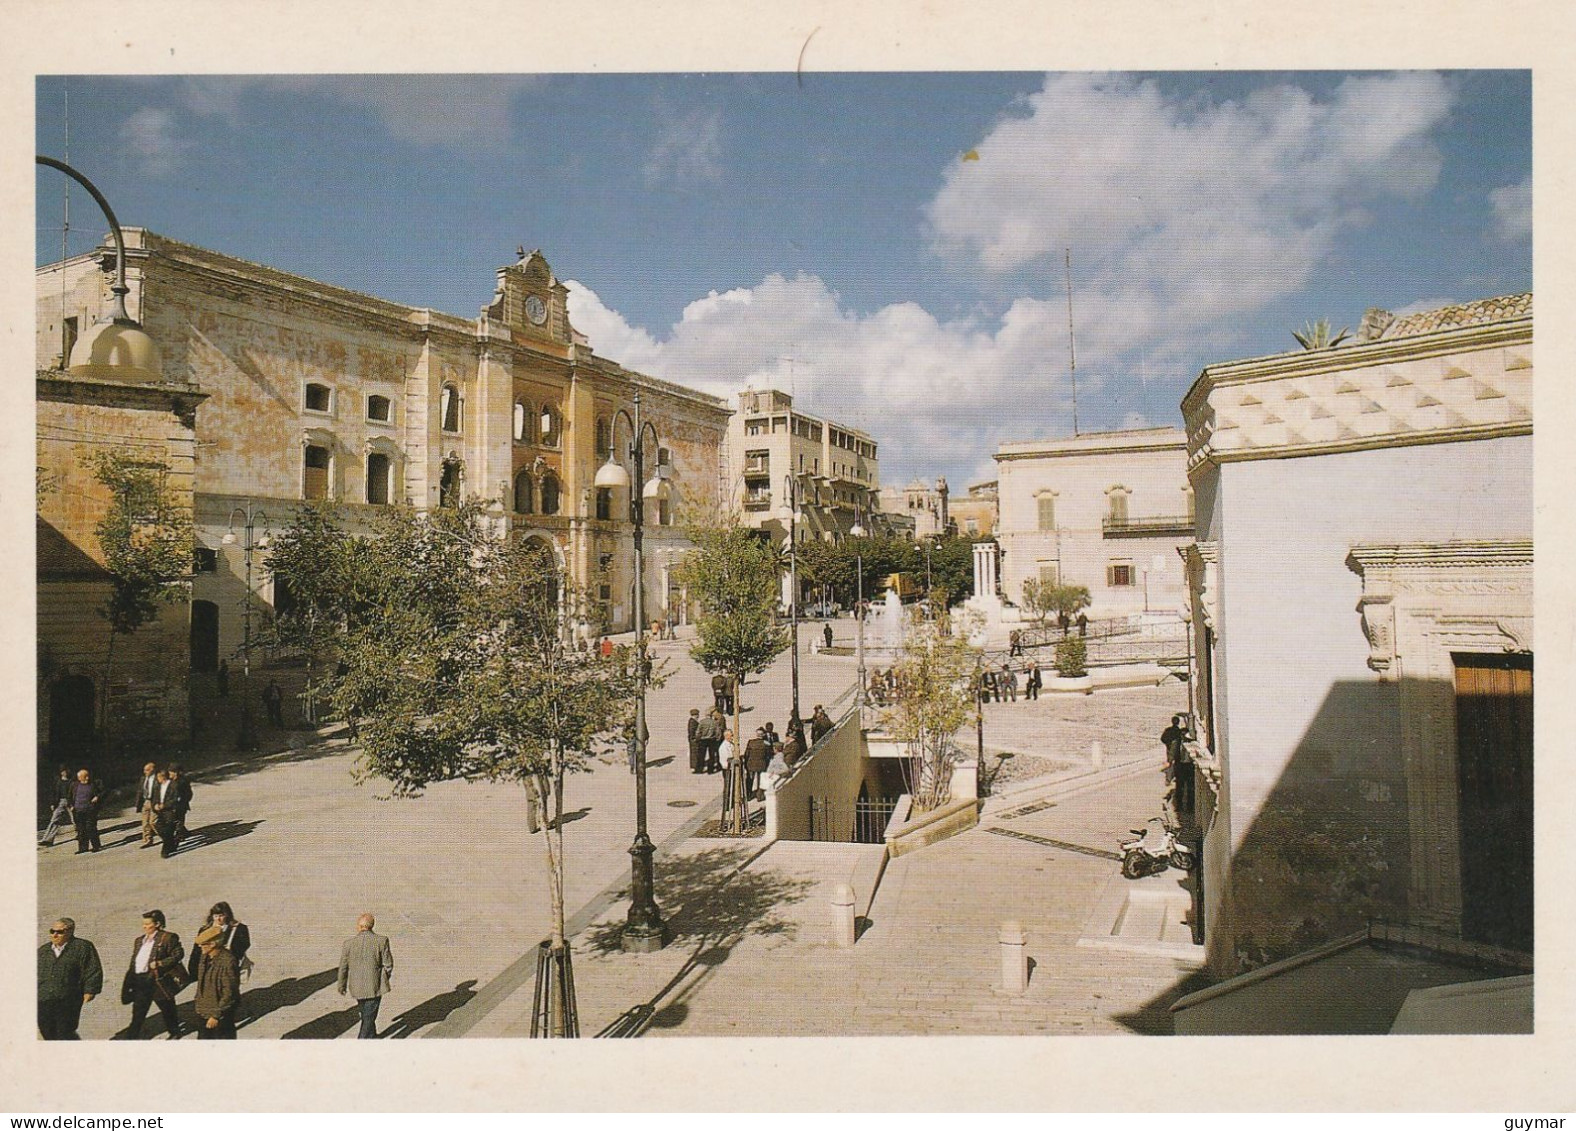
x=1080 y=684
x=906 y=833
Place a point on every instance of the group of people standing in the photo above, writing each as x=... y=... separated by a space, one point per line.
x=71 y=974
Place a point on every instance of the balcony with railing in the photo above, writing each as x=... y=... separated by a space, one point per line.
x=1146 y=526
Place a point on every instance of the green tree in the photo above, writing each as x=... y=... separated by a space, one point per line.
x=1072 y=657
x=146 y=539
x=732 y=576
x=456 y=660
x=1043 y=598
x=935 y=677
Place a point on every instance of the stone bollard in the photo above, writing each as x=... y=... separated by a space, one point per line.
x=843 y=915
x=1096 y=754
x=1014 y=962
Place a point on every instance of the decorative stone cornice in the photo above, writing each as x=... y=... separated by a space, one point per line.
x=1473 y=588
x=1470 y=382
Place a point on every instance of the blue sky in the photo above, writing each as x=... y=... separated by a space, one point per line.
x=899 y=236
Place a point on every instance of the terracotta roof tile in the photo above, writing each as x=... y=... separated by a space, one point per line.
x=1499 y=309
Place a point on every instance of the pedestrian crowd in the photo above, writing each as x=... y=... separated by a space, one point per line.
x=159 y=970
x=164 y=797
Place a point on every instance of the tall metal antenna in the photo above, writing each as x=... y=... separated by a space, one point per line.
x=1072 y=352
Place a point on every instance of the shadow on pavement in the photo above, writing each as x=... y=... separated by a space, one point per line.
x=431 y=1011
x=214 y=833
x=711 y=902
x=327 y=1027
x=260 y=1002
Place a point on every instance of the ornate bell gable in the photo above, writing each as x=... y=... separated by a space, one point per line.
x=529 y=300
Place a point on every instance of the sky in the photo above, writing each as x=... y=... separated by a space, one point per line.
x=892 y=248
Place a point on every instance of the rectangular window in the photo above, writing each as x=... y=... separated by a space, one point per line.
x=378 y=478
x=68 y=341
x=1119 y=507
x=315 y=481
x=1049 y=573
x=378 y=408
x=604 y=503
x=1047 y=512
x=205 y=560
x=1118 y=574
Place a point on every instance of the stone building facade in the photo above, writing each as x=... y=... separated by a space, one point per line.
x=318 y=392
x=100 y=703
x=925 y=503
x=1361 y=596
x=1106 y=510
x=974 y=512
x=834 y=467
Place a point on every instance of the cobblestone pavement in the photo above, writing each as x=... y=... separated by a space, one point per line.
x=455 y=881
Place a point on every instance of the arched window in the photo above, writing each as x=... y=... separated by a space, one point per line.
x=550 y=425
x=449 y=408
x=549 y=493
x=519 y=422
x=524 y=493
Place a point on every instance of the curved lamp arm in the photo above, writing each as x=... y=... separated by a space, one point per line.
x=120 y=289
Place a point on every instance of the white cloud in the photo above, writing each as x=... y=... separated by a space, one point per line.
x=1513 y=210
x=688 y=146
x=151 y=139
x=1185 y=211
x=934 y=394
x=452 y=111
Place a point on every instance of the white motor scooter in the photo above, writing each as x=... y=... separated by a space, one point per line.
x=1155 y=849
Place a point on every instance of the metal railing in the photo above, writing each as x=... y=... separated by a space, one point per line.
x=1147 y=525
x=870 y=817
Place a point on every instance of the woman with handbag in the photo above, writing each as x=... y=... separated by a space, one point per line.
x=156 y=975
x=235 y=938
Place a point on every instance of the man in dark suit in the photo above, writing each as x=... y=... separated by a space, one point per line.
x=366 y=970
x=86 y=795
x=155 y=954
x=69 y=976
x=694 y=746
x=757 y=754
x=820 y=724
x=175 y=798
x=145 y=792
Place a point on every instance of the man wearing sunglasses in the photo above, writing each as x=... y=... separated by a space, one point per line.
x=69 y=976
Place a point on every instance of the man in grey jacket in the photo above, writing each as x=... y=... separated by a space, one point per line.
x=366 y=968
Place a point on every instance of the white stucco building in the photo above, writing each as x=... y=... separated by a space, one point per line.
x=1361 y=595
x=1106 y=510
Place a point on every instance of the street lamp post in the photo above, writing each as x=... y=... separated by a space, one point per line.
x=246 y=739
x=791 y=514
x=858 y=531
x=644 y=929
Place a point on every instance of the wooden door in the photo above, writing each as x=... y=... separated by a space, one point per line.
x=1494 y=777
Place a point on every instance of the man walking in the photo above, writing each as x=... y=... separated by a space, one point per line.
x=218 y=987
x=1035 y=681
x=828 y=635
x=155 y=975
x=145 y=795
x=174 y=799
x=366 y=969
x=69 y=976
x=85 y=797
